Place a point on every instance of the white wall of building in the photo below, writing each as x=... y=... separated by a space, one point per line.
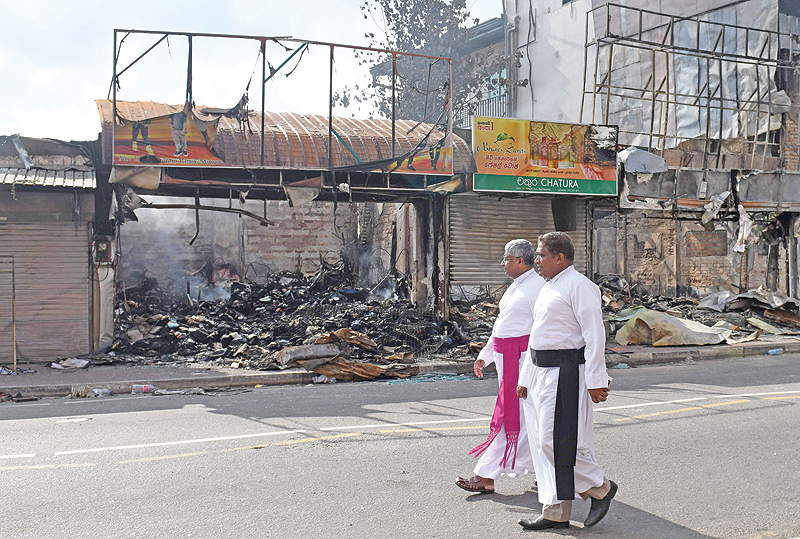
x=555 y=50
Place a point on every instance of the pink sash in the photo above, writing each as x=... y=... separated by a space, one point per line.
x=506 y=409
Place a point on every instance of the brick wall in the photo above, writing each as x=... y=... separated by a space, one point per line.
x=705 y=243
x=704 y=264
x=791 y=143
x=158 y=245
x=604 y=237
x=646 y=253
x=648 y=246
x=300 y=236
x=305 y=233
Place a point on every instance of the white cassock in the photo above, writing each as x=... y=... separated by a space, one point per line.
x=514 y=320
x=567 y=315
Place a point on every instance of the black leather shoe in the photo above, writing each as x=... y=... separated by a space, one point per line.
x=600 y=507
x=542 y=523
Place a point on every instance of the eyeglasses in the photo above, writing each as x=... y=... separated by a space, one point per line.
x=509 y=258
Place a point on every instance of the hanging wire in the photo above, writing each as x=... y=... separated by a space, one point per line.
x=252 y=74
x=117 y=53
x=302 y=53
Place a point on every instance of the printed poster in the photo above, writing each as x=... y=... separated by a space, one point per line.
x=183 y=138
x=544 y=157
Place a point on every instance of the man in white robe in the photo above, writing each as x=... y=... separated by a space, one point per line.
x=567 y=372
x=502 y=453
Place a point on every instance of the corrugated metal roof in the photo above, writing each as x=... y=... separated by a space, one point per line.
x=40 y=177
x=295 y=141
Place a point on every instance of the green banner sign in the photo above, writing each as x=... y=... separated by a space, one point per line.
x=522 y=184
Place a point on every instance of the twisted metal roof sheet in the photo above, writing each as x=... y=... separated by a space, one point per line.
x=296 y=141
x=40 y=177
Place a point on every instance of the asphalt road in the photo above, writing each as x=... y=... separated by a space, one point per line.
x=704 y=450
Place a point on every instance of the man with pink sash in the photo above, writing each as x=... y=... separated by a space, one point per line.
x=506 y=450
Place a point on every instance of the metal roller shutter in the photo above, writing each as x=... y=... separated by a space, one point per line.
x=53 y=293
x=480 y=226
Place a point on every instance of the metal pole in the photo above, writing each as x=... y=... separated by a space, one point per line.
x=665 y=125
x=394 y=86
x=14 y=309
x=276 y=38
x=707 y=143
x=330 y=118
x=652 y=103
x=189 y=75
x=263 y=91
x=608 y=82
x=113 y=105
x=721 y=102
x=594 y=86
x=585 y=66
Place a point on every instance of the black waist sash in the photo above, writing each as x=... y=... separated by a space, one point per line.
x=565 y=423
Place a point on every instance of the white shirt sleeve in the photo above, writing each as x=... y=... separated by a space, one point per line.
x=487 y=354
x=527 y=370
x=586 y=305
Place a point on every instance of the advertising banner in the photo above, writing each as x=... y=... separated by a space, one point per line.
x=436 y=158
x=183 y=138
x=544 y=157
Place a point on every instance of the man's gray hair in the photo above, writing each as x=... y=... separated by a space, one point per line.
x=523 y=249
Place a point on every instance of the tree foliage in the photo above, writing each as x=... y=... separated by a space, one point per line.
x=431 y=27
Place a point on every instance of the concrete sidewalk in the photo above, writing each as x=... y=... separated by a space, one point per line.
x=48 y=382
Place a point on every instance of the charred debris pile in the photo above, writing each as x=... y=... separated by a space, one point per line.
x=321 y=323
x=634 y=317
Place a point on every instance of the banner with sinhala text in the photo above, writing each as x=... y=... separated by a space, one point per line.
x=545 y=157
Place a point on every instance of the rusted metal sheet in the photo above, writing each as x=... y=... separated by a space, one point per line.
x=53 y=290
x=480 y=226
x=39 y=177
x=693 y=188
x=292 y=140
x=785 y=318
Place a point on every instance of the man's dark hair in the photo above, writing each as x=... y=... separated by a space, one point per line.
x=558 y=242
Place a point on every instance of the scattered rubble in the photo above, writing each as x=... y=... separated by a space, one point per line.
x=326 y=325
x=661 y=329
x=5 y=397
x=70 y=363
x=321 y=323
x=718 y=317
x=19 y=370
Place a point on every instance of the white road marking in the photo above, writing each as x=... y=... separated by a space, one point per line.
x=656 y=403
x=27 y=404
x=21 y=456
x=755 y=394
x=384 y=425
x=47 y=466
x=177 y=442
x=74 y=420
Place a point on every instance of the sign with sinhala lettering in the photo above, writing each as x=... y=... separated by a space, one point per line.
x=544 y=157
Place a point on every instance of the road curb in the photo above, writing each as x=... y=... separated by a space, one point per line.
x=295 y=377
x=697 y=354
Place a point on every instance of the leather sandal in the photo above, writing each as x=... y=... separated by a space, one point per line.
x=474 y=484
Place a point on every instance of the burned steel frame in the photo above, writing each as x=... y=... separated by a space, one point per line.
x=708 y=98
x=197 y=207
x=263 y=40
